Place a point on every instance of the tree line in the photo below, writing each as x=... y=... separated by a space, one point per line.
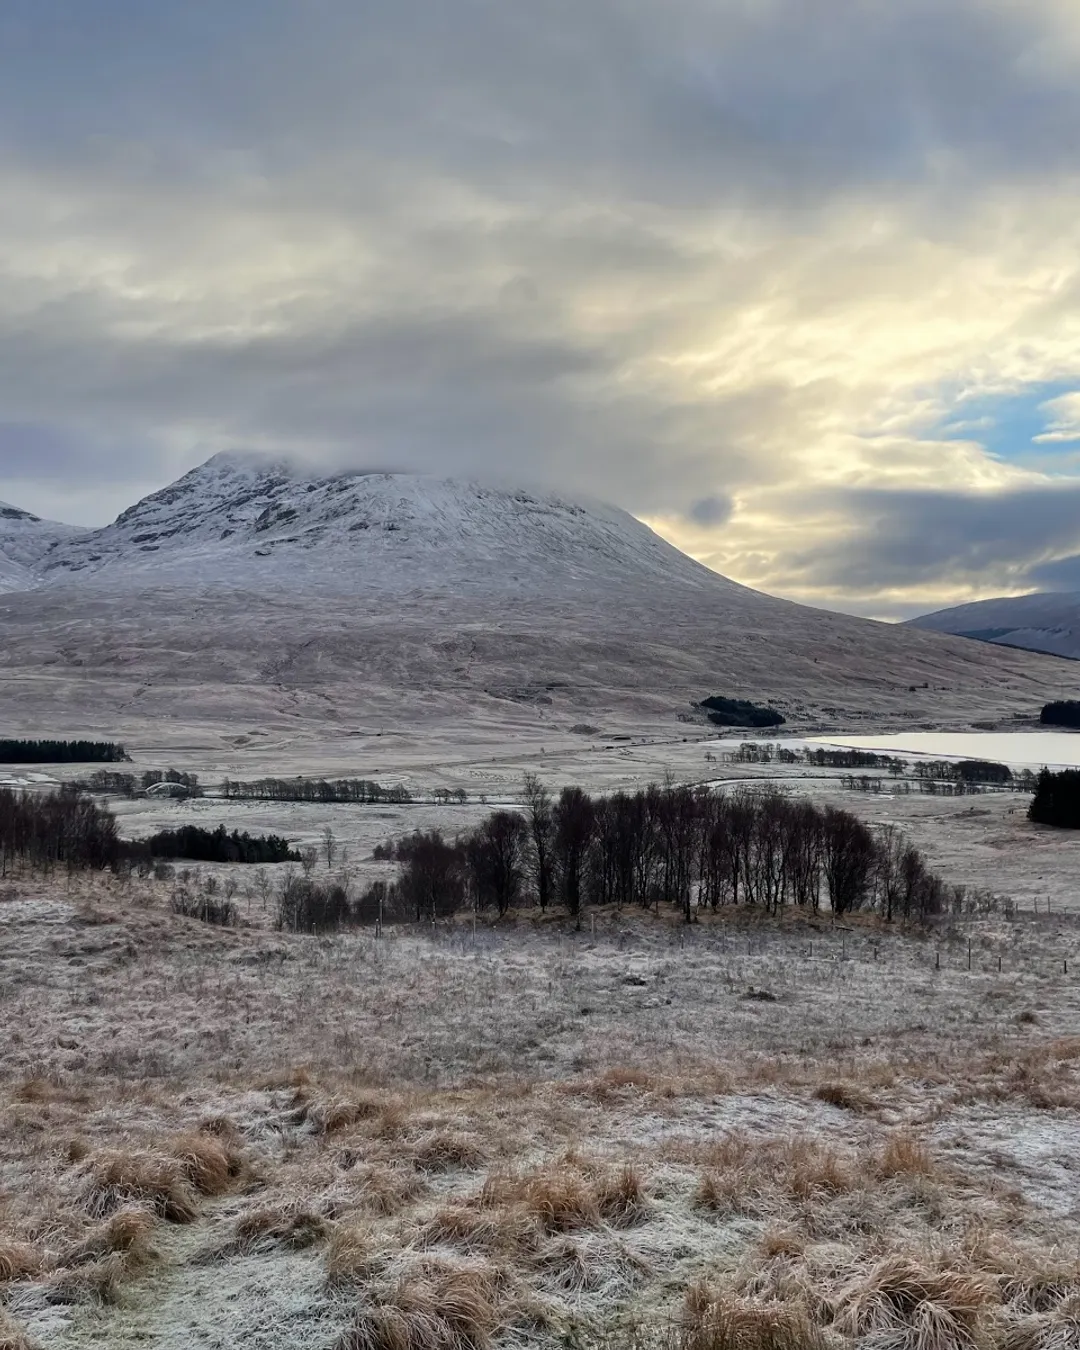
x=64 y=828
x=1057 y=799
x=828 y=757
x=67 y=828
x=665 y=845
x=117 y=784
x=189 y=841
x=315 y=790
x=1063 y=713
x=61 y=752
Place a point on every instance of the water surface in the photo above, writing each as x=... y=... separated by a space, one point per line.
x=1025 y=749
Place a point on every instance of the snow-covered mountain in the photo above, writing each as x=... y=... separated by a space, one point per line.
x=250 y=594
x=1043 y=622
x=25 y=542
x=251 y=522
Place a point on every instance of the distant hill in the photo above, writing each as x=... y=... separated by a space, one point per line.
x=1043 y=622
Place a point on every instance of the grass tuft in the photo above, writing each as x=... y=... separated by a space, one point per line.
x=19 y=1261
x=448 y=1151
x=283 y=1227
x=12 y=1336
x=436 y=1308
x=905 y=1303
x=846 y=1096
x=211 y=1163
x=717 y=1321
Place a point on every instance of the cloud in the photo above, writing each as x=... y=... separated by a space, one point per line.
x=733 y=265
x=1063 y=423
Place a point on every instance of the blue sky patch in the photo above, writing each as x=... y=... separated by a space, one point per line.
x=1007 y=424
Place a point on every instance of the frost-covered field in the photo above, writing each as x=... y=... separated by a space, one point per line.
x=247 y=1138
x=475 y=1137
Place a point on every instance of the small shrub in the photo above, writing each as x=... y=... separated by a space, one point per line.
x=206 y=908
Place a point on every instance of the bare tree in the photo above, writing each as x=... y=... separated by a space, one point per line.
x=329 y=844
x=573 y=819
x=494 y=853
x=538 y=816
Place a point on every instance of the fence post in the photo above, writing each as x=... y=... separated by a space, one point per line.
x=969 y=953
x=937 y=959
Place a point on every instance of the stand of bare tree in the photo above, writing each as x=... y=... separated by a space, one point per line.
x=665 y=845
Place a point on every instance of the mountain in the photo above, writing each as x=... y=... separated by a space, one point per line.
x=250 y=597
x=255 y=523
x=1043 y=622
x=25 y=541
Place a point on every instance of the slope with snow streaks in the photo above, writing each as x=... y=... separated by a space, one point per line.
x=1042 y=622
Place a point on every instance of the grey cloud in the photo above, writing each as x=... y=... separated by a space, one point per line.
x=888 y=539
x=711 y=510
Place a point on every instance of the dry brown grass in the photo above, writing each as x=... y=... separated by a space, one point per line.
x=447 y=1151
x=129 y=1233
x=333 y=1114
x=846 y=1095
x=212 y=1163
x=168 y=1180
x=12 y=1336
x=905 y=1155
x=719 y=1321
x=116 y=1178
x=19 y=1261
x=507 y=1232
x=350 y=1256
x=283 y=1226
x=560 y=1202
x=621 y=1197
x=95 y=1282
x=911 y=1304
x=381 y=1189
x=761 y=1177
x=436 y=1308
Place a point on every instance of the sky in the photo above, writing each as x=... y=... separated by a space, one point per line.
x=795 y=281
